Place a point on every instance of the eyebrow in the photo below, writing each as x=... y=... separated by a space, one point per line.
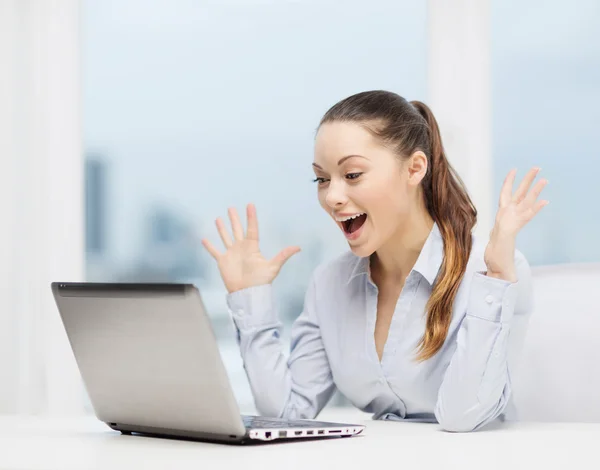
x=342 y=160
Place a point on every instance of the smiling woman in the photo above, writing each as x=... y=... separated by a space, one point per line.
x=414 y=285
x=407 y=183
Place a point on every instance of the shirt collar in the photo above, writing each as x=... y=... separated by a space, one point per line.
x=428 y=263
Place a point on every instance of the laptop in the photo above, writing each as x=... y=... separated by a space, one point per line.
x=151 y=365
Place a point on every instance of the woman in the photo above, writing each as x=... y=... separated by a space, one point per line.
x=418 y=320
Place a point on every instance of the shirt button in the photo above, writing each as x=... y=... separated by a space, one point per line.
x=489 y=299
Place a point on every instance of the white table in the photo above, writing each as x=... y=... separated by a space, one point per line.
x=85 y=443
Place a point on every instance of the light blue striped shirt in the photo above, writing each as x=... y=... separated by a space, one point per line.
x=466 y=385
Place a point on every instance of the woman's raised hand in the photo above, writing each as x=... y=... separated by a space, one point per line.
x=242 y=265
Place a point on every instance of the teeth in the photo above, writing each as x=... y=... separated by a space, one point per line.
x=349 y=217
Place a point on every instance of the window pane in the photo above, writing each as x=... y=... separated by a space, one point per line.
x=546 y=101
x=192 y=107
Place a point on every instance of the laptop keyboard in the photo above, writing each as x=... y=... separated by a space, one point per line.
x=260 y=422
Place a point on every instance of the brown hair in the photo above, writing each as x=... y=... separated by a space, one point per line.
x=407 y=127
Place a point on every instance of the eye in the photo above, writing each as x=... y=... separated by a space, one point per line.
x=350 y=176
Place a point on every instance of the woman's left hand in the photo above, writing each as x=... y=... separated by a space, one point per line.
x=515 y=210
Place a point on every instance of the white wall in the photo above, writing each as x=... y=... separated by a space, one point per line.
x=558 y=377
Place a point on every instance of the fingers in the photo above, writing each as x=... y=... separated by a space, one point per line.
x=506 y=191
x=223 y=233
x=211 y=249
x=236 y=224
x=525 y=184
x=252 y=233
x=535 y=192
x=539 y=205
x=285 y=254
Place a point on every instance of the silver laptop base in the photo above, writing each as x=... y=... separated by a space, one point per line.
x=251 y=436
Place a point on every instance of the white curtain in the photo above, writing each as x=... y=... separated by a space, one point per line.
x=460 y=95
x=41 y=201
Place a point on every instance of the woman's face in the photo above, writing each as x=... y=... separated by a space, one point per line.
x=357 y=175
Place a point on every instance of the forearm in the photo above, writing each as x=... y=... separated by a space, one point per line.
x=476 y=386
x=297 y=387
x=266 y=368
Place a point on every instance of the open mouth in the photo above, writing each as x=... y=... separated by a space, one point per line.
x=353 y=225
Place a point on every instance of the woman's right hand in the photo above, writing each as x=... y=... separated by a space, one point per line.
x=242 y=265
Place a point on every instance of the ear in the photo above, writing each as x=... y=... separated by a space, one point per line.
x=417 y=167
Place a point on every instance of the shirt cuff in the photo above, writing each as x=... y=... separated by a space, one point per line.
x=492 y=299
x=252 y=307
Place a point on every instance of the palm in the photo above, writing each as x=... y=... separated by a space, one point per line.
x=244 y=261
x=243 y=265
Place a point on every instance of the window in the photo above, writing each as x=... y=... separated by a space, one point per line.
x=546 y=107
x=192 y=107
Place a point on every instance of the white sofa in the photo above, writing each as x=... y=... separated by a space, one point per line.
x=558 y=377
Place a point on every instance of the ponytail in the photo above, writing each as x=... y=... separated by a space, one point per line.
x=450 y=206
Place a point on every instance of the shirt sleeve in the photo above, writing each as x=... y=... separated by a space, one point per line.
x=295 y=387
x=477 y=384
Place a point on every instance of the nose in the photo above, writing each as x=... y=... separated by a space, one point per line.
x=335 y=197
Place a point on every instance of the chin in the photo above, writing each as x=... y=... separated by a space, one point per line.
x=361 y=250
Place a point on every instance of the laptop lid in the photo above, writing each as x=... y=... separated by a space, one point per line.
x=148 y=356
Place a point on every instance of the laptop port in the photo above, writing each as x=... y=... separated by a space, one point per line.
x=282 y=433
x=309 y=433
x=332 y=431
x=297 y=433
x=320 y=431
x=268 y=434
